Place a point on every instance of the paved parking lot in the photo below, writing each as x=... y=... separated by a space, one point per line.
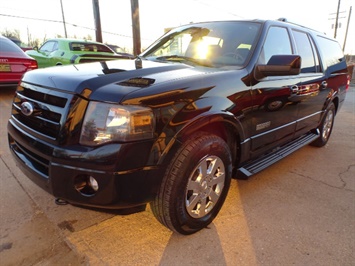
x=300 y=211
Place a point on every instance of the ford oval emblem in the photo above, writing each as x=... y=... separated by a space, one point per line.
x=27 y=108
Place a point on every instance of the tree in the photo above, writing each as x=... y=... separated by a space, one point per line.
x=15 y=34
x=34 y=43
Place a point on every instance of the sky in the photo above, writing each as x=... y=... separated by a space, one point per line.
x=42 y=19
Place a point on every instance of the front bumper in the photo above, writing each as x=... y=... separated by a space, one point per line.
x=123 y=177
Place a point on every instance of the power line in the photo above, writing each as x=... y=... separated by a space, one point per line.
x=67 y=23
x=39 y=19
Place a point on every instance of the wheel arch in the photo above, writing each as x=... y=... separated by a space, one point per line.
x=222 y=125
x=333 y=99
x=336 y=104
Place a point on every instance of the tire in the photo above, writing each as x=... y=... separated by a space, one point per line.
x=195 y=185
x=326 y=127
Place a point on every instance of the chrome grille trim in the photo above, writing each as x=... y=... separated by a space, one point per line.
x=50 y=108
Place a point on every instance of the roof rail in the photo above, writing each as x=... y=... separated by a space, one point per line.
x=282 y=19
x=285 y=20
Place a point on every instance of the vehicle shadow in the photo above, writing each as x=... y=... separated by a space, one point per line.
x=202 y=248
x=224 y=242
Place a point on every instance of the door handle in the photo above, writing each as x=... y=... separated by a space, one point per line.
x=303 y=92
x=294 y=89
x=323 y=85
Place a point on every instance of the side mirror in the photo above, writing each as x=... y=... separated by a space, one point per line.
x=279 y=65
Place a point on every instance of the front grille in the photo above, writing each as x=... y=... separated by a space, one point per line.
x=49 y=109
x=43 y=97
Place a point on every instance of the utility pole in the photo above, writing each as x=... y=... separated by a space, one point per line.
x=28 y=36
x=96 y=8
x=136 y=27
x=347 y=28
x=336 y=21
x=65 y=27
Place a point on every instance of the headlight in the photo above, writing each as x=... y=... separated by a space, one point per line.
x=105 y=122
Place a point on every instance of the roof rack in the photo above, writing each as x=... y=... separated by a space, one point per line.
x=285 y=20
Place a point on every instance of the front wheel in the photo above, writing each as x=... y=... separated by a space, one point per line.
x=195 y=185
x=326 y=127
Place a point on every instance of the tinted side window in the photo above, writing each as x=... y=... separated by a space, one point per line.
x=89 y=47
x=277 y=43
x=55 y=46
x=304 y=49
x=331 y=51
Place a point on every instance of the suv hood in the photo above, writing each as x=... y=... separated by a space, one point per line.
x=111 y=80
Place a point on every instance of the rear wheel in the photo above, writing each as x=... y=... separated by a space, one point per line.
x=195 y=185
x=326 y=127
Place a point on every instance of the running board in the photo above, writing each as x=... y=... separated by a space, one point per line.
x=273 y=157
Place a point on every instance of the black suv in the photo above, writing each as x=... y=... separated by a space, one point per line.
x=205 y=103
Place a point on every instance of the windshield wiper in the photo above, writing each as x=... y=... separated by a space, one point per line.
x=180 y=59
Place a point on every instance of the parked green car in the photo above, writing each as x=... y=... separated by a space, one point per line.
x=56 y=52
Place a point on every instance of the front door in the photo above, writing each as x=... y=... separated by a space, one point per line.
x=274 y=115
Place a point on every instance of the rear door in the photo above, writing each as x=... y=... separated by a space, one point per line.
x=313 y=91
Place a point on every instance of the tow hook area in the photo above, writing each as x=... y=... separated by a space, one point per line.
x=60 y=201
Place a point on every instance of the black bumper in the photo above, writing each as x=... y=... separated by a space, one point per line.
x=123 y=177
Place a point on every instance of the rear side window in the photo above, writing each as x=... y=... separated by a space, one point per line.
x=89 y=47
x=49 y=46
x=8 y=48
x=277 y=43
x=331 y=51
x=305 y=50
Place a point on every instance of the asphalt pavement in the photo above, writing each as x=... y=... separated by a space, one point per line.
x=300 y=211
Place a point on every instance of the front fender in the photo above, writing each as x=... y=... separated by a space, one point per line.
x=222 y=123
x=210 y=122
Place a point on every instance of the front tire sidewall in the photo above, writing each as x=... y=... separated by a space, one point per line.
x=179 y=217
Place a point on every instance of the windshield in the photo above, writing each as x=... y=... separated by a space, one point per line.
x=214 y=43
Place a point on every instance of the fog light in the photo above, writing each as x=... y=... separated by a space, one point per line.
x=86 y=185
x=93 y=183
